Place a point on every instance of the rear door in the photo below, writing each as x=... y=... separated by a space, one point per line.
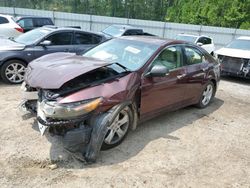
x=196 y=69
x=164 y=93
x=84 y=41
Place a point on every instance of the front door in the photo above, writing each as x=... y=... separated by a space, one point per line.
x=164 y=93
x=60 y=42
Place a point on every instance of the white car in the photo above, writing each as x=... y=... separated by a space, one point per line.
x=201 y=40
x=235 y=58
x=8 y=27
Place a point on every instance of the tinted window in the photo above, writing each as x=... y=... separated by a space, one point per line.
x=3 y=20
x=193 y=56
x=63 y=38
x=205 y=40
x=169 y=57
x=39 y=22
x=85 y=38
x=26 y=23
x=133 y=32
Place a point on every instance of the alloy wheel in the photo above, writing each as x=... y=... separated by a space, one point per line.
x=14 y=72
x=207 y=94
x=118 y=129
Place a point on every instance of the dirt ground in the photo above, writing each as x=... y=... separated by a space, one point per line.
x=186 y=148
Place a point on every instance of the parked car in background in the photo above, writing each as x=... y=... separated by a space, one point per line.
x=31 y=22
x=235 y=58
x=8 y=27
x=93 y=100
x=124 y=30
x=16 y=53
x=201 y=40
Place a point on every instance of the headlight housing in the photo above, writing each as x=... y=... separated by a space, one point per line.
x=53 y=109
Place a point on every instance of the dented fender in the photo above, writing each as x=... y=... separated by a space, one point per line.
x=99 y=130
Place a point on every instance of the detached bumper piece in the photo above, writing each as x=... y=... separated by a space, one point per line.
x=235 y=66
x=77 y=139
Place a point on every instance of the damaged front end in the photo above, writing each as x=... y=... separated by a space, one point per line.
x=81 y=108
x=235 y=66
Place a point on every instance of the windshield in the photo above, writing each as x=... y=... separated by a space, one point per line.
x=186 y=38
x=240 y=44
x=32 y=36
x=128 y=53
x=114 y=31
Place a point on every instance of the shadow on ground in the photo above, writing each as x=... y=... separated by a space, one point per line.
x=237 y=80
x=160 y=127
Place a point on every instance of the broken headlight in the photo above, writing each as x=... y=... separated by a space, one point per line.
x=53 y=109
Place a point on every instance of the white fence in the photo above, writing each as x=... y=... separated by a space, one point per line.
x=220 y=35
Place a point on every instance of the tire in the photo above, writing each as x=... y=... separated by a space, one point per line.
x=118 y=129
x=207 y=95
x=12 y=71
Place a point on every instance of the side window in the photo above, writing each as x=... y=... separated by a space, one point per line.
x=205 y=40
x=85 y=38
x=208 y=41
x=64 y=38
x=132 y=32
x=26 y=23
x=3 y=20
x=39 y=22
x=193 y=56
x=169 y=57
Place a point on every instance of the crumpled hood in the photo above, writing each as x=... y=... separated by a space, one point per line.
x=234 y=52
x=53 y=70
x=7 y=44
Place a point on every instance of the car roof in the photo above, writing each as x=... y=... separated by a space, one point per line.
x=153 y=40
x=21 y=17
x=192 y=35
x=6 y=16
x=123 y=26
x=56 y=28
x=244 y=38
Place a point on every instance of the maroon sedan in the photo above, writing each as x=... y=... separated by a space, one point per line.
x=93 y=100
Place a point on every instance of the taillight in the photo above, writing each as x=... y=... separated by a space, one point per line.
x=19 y=29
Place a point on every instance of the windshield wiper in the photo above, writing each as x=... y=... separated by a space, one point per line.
x=122 y=66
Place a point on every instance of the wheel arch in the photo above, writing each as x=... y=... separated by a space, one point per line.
x=13 y=58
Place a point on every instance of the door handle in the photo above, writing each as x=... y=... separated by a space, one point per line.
x=181 y=76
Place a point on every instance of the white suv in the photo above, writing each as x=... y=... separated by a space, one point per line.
x=8 y=27
x=201 y=40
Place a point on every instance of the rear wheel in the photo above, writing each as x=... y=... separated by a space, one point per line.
x=207 y=95
x=118 y=129
x=13 y=71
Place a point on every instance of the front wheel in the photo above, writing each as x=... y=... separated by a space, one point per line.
x=118 y=129
x=13 y=71
x=207 y=95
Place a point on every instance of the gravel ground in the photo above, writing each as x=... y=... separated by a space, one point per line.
x=186 y=148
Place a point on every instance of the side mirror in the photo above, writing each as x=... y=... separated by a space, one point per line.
x=158 y=71
x=199 y=43
x=45 y=43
